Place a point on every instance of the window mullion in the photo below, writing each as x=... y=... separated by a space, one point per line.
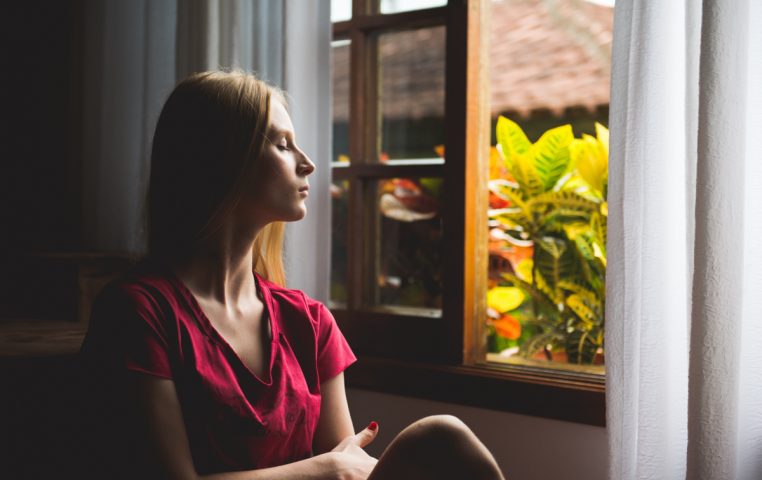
x=477 y=137
x=467 y=133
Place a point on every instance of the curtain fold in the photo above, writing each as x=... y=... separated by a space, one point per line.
x=127 y=50
x=135 y=52
x=683 y=383
x=241 y=34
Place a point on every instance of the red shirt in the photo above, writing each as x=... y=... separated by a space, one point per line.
x=151 y=323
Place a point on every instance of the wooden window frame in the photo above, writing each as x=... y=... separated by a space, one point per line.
x=443 y=358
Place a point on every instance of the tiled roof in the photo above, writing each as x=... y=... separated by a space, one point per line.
x=545 y=55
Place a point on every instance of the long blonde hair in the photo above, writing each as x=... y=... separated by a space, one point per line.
x=211 y=131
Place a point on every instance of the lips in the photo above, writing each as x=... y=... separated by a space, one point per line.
x=304 y=189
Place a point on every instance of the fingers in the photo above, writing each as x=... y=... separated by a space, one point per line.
x=364 y=437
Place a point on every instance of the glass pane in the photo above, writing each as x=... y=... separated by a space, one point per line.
x=340 y=82
x=397 y=6
x=339 y=238
x=550 y=67
x=341 y=10
x=411 y=74
x=408 y=252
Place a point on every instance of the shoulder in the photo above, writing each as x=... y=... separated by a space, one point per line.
x=145 y=289
x=291 y=296
x=296 y=302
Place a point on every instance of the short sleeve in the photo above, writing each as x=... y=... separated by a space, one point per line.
x=334 y=354
x=127 y=330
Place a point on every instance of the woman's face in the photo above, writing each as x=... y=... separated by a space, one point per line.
x=279 y=187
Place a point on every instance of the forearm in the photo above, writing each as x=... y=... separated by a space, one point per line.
x=320 y=467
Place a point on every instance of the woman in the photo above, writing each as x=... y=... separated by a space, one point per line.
x=212 y=371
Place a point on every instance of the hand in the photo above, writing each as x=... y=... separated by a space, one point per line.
x=351 y=461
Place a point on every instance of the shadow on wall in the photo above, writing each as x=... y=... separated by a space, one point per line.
x=527 y=448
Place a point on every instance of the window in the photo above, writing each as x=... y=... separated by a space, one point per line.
x=549 y=79
x=411 y=235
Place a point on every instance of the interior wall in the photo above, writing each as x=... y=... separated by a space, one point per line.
x=527 y=448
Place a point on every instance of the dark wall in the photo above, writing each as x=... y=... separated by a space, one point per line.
x=41 y=124
x=40 y=165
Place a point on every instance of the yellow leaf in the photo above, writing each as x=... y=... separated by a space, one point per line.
x=504 y=299
x=524 y=269
x=591 y=161
x=512 y=139
x=603 y=136
x=574 y=229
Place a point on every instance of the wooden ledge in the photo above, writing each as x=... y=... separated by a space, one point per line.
x=570 y=397
x=35 y=339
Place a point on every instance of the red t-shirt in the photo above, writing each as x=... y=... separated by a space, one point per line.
x=151 y=323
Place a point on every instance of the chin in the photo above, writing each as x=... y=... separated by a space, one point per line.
x=295 y=216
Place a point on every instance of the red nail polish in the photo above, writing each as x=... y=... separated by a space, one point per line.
x=373 y=426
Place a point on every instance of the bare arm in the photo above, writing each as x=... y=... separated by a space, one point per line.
x=159 y=405
x=335 y=423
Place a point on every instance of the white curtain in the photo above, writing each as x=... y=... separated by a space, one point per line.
x=128 y=63
x=135 y=52
x=307 y=79
x=684 y=281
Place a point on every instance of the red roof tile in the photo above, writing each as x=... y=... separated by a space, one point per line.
x=545 y=55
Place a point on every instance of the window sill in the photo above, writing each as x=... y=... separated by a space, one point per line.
x=567 y=396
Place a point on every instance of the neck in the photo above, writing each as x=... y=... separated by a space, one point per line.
x=221 y=268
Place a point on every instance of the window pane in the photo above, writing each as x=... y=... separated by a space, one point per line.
x=341 y=10
x=339 y=238
x=550 y=67
x=340 y=80
x=411 y=73
x=397 y=6
x=408 y=244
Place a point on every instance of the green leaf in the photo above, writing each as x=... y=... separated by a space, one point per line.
x=526 y=175
x=554 y=263
x=598 y=226
x=538 y=342
x=584 y=245
x=551 y=155
x=587 y=308
x=574 y=285
x=543 y=303
x=581 y=346
x=567 y=201
x=512 y=140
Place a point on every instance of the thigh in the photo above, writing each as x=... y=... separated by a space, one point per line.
x=436 y=447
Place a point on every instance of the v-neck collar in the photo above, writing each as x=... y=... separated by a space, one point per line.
x=206 y=325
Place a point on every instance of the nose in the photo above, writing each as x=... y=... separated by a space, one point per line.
x=306 y=166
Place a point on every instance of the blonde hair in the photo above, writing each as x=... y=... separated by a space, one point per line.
x=211 y=131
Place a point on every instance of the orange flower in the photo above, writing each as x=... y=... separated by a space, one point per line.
x=508 y=326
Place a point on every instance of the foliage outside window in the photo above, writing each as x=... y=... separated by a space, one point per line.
x=547 y=223
x=550 y=66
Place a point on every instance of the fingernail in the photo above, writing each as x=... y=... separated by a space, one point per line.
x=373 y=426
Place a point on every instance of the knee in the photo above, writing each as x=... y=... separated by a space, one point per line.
x=442 y=437
x=448 y=446
x=443 y=431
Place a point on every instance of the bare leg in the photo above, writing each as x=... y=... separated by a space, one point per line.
x=437 y=447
